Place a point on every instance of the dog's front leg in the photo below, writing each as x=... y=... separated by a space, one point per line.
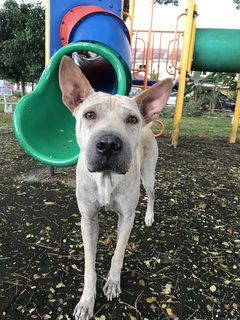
x=112 y=288
x=84 y=308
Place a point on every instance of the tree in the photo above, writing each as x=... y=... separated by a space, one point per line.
x=21 y=42
x=202 y=93
x=237 y=3
x=175 y=2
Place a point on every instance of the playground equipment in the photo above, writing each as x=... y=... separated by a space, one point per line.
x=206 y=50
x=201 y=50
x=93 y=33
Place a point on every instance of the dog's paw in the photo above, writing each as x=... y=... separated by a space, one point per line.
x=84 y=308
x=149 y=219
x=112 y=289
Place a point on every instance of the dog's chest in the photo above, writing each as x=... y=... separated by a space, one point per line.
x=106 y=184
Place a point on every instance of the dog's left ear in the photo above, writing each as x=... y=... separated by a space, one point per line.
x=74 y=85
x=152 y=101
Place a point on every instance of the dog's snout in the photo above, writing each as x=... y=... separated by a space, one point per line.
x=109 y=151
x=109 y=145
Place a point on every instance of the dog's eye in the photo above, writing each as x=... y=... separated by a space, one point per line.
x=132 y=120
x=90 y=115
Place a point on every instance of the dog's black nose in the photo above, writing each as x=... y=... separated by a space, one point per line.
x=109 y=145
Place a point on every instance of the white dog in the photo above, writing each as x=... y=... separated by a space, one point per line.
x=117 y=150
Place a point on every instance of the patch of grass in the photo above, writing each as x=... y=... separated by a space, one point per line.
x=6 y=120
x=218 y=125
x=14 y=99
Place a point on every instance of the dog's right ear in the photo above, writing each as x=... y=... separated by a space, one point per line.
x=152 y=101
x=74 y=85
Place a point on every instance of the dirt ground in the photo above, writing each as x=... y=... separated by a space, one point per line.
x=186 y=266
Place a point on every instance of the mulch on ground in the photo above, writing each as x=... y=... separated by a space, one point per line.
x=186 y=266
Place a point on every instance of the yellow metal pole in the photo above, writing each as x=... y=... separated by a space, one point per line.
x=131 y=17
x=131 y=9
x=192 y=41
x=236 y=116
x=47 y=32
x=184 y=64
x=148 y=46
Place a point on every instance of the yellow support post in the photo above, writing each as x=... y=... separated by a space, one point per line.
x=184 y=65
x=192 y=41
x=149 y=40
x=47 y=32
x=236 y=116
x=130 y=15
x=131 y=9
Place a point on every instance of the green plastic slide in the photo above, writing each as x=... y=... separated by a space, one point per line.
x=216 y=50
x=44 y=127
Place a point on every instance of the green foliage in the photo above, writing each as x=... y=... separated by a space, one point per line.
x=199 y=98
x=126 y=6
x=237 y=3
x=21 y=41
x=175 y=2
x=154 y=75
x=125 y=9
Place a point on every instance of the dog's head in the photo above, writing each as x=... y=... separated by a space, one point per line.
x=108 y=128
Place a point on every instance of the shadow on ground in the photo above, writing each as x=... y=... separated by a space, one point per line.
x=186 y=266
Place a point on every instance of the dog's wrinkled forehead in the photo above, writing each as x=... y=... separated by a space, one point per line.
x=104 y=102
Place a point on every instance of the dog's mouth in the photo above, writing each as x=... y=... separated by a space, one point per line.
x=108 y=153
x=107 y=169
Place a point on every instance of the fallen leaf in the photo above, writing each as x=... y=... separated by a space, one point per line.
x=52 y=290
x=152 y=299
x=209 y=308
x=227 y=281
x=49 y=203
x=106 y=241
x=195 y=238
x=142 y=282
x=75 y=267
x=75 y=215
x=169 y=311
x=60 y=285
x=20 y=307
x=167 y=289
x=213 y=288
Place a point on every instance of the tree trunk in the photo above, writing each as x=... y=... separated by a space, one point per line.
x=23 y=91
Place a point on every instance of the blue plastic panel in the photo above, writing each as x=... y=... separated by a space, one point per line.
x=58 y=8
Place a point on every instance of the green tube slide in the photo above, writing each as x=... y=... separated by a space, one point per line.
x=217 y=50
x=44 y=127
